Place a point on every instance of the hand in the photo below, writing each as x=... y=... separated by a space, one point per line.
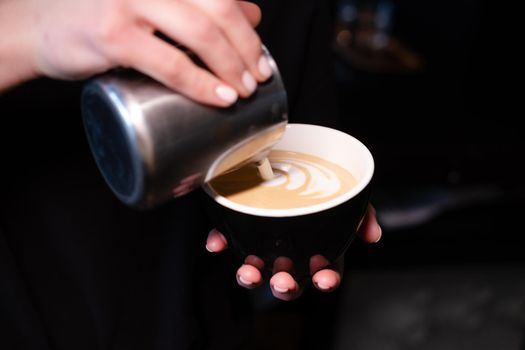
x=325 y=277
x=71 y=39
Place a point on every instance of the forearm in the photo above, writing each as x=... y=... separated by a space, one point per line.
x=16 y=53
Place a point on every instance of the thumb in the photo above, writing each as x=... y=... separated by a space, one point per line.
x=216 y=242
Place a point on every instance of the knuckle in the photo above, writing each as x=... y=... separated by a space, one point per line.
x=111 y=21
x=255 y=46
x=204 y=29
x=175 y=71
x=108 y=31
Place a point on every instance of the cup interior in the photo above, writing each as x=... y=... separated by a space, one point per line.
x=330 y=144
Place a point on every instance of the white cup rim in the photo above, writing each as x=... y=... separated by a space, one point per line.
x=307 y=210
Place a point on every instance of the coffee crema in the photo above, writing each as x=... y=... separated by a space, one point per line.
x=301 y=180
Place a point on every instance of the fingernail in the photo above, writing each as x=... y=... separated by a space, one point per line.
x=208 y=249
x=264 y=67
x=323 y=286
x=280 y=289
x=226 y=93
x=249 y=82
x=380 y=233
x=245 y=282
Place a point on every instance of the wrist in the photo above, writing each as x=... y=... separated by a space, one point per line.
x=16 y=44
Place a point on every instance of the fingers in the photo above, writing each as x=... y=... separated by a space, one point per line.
x=216 y=242
x=284 y=286
x=318 y=262
x=227 y=14
x=97 y=36
x=202 y=35
x=282 y=283
x=370 y=231
x=254 y=261
x=326 y=280
x=174 y=69
x=251 y=11
x=283 y=263
x=249 y=275
x=323 y=278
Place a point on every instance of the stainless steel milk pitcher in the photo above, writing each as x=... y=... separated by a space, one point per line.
x=152 y=144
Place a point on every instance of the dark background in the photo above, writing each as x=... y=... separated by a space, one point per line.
x=439 y=113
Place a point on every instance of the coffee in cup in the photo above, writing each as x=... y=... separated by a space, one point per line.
x=313 y=206
x=299 y=180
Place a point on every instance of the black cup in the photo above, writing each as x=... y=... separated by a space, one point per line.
x=300 y=234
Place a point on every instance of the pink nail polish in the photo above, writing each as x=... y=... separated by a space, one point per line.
x=264 y=67
x=226 y=93
x=323 y=286
x=280 y=289
x=245 y=282
x=249 y=82
x=380 y=234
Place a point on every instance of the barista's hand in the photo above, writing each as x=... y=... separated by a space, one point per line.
x=325 y=277
x=71 y=39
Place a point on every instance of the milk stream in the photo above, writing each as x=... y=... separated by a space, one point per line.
x=265 y=169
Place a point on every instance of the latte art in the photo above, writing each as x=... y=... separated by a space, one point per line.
x=306 y=179
x=300 y=180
